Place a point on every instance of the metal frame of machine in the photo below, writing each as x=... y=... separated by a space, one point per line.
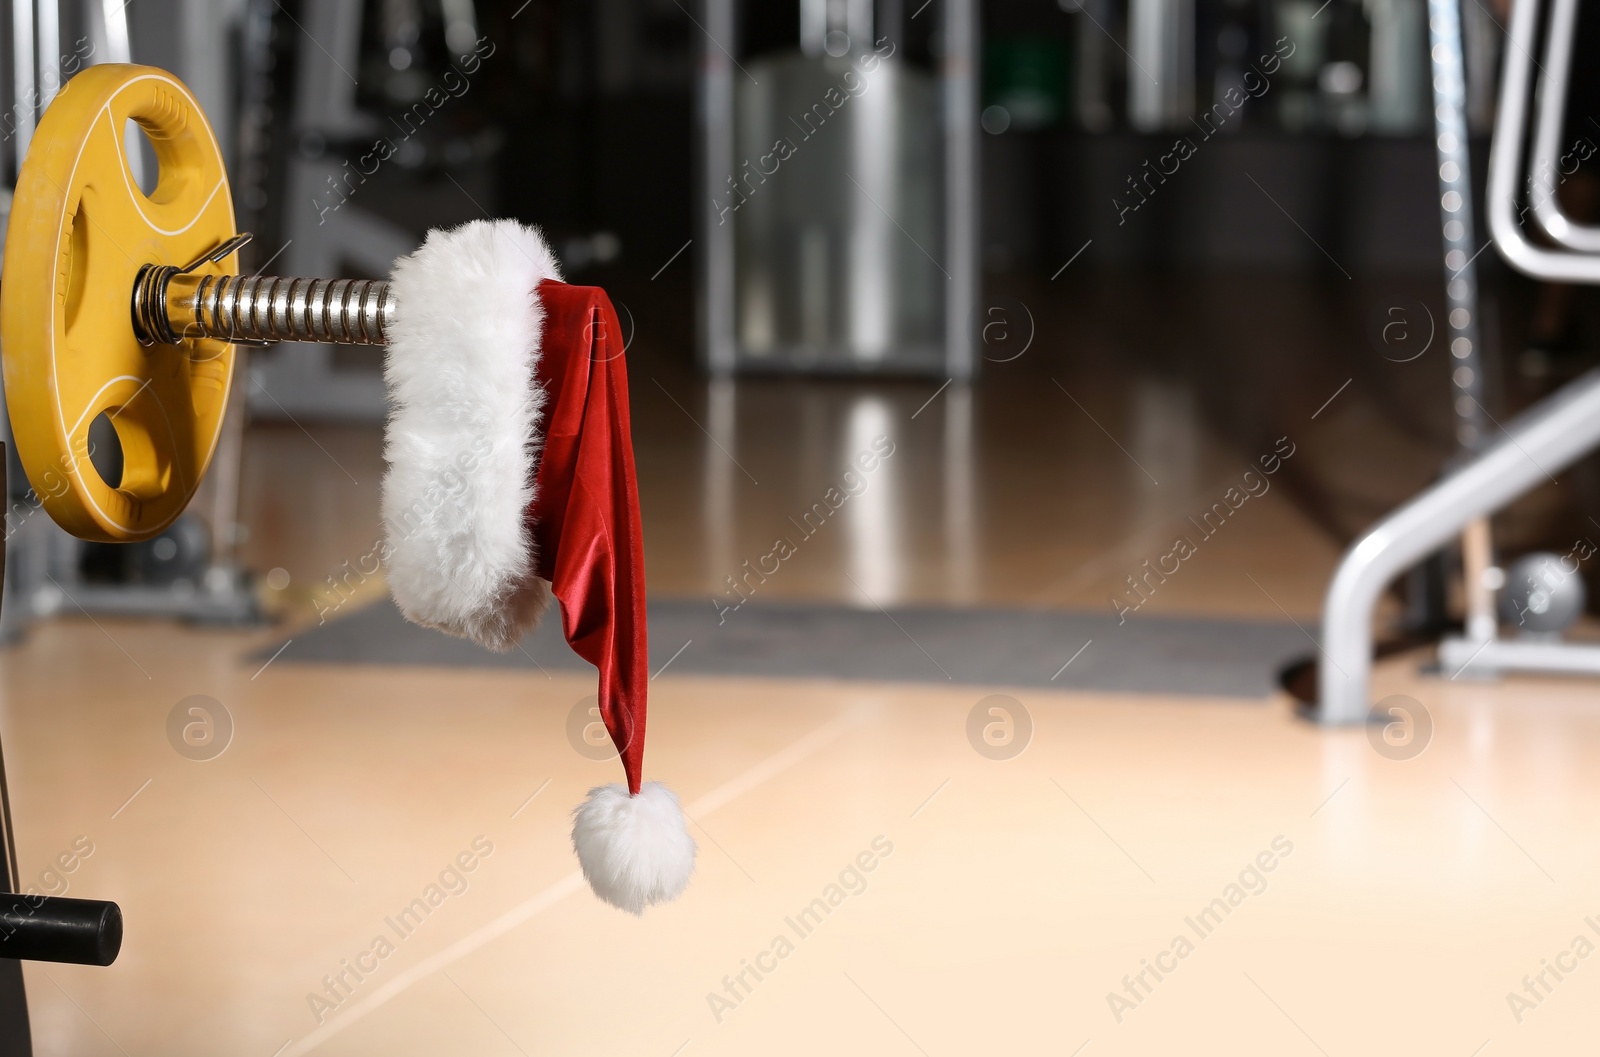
x=43 y=576
x=150 y=339
x=1530 y=450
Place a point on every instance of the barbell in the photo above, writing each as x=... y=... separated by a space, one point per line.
x=125 y=304
x=128 y=305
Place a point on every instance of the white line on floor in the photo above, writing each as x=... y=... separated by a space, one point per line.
x=573 y=882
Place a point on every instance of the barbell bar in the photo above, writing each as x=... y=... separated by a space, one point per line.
x=172 y=305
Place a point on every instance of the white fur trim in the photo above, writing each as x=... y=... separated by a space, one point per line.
x=465 y=423
x=634 y=850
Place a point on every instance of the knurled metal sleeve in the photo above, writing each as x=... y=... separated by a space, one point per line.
x=262 y=308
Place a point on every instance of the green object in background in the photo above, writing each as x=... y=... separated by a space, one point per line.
x=1026 y=77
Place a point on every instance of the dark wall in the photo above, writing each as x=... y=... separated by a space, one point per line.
x=1244 y=200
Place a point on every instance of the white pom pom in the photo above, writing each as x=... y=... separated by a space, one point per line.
x=634 y=850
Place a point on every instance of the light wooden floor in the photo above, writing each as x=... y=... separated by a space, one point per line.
x=977 y=505
x=1014 y=896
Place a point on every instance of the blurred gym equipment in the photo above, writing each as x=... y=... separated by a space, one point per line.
x=835 y=243
x=119 y=319
x=327 y=129
x=52 y=570
x=1537 y=444
x=79 y=226
x=144 y=336
x=1546 y=157
x=302 y=380
x=1160 y=38
x=122 y=269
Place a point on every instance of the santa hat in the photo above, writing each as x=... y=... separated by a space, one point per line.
x=510 y=478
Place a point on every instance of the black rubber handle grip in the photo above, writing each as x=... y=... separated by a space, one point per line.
x=56 y=929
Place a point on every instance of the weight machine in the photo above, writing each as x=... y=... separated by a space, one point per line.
x=1530 y=449
x=126 y=310
x=193 y=572
x=130 y=304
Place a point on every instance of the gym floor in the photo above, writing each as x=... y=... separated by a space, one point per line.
x=973 y=905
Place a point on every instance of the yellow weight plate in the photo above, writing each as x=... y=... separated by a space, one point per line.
x=79 y=232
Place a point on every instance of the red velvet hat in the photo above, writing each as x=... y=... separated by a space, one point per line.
x=510 y=479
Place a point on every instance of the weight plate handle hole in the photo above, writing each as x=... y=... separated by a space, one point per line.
x=143 y=165
x=105 y=450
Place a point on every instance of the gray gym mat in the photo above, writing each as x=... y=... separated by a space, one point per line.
x=980 y=647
